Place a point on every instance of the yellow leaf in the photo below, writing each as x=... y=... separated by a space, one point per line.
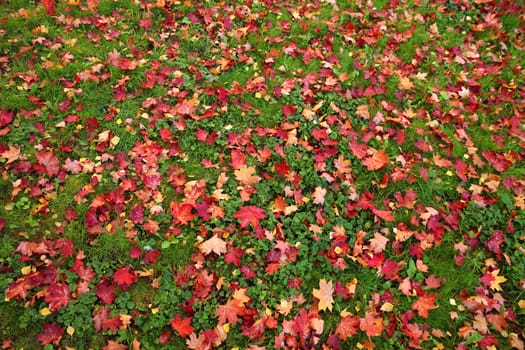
x=495 y=285
x=521 y=304
x=387 y=307
x=45 y=311
x=70 y=330
x=26 y=270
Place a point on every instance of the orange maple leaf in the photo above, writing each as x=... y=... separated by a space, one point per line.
x=245 y=176
x=229 y=312
x=424 y=304
x=378 y=160
x=371 y=324
x=324 y=294
x=405 y=83
x=12 y=154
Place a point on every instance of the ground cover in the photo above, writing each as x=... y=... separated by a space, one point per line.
x=262 y=174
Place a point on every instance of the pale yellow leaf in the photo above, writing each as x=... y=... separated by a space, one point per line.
x=324 y=295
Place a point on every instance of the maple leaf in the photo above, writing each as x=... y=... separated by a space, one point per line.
x=12 y=154
x=495 y=241
x=249 y=215
x=319 y=195
x=58 y=296
x=181 y=212
x=49 y=161
x=49 y=6
x=52 y=333
x=229 y=312
x=371 y=324
x=125 y=277
x=495 y=284
x=137 y=213
x=378 y=160
x=347 y=327
x=115 y=345
x=405 y=83
x=6 y=117
x=324 y=294
x=182 y=325
x=424 y=304
x=233 y=256
x=103 y=322
x=215 y=245
x=105 y=291
x=245 y=176
x=378 y=243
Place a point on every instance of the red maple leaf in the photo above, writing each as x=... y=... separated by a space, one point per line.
x=371 y=324
x=58 y=295
x=49 y=6
x=494 y=243
x=52 y=333
x=49 y=161
x=288 y=110
x=182 y=325
x=6 y=117
x=104 y=322
x=433 y=281
x=125 y=277
x=249 y=215
x=105 y=291
x=424 y=304
x=384 y=214
x=137 y=214
x=238 y=159
x=181 y=212
x=234 y=256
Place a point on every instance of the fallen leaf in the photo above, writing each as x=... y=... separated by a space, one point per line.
x=424 y=304
x=214 y=244
x=249 y=215
x=182 y=325
x=371 y=324
x=378 y=160
x=324 y=294
x=245 y=175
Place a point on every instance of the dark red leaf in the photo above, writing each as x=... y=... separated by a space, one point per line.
x=105 y=291
x=52 y=333
x=137 y=214
x=6 y=117
x=104 y=322
x=494 y=243
x=58 y=296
